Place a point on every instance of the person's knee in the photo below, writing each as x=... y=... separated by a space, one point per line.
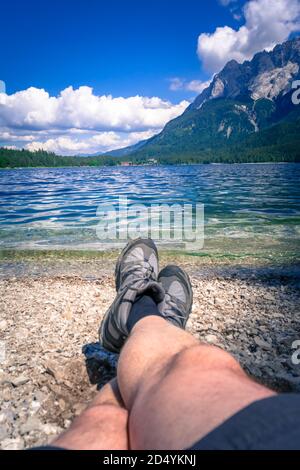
x=106 y=413
x=97 y=427
x=208 y=364
x=206 y=357
x=111 y=413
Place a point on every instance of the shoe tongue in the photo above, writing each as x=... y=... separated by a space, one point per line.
x=154 y=290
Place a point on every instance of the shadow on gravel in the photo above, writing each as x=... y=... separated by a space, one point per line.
x=273 y=275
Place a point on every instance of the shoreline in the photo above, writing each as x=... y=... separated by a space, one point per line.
x=158 y=164
x=223 y=252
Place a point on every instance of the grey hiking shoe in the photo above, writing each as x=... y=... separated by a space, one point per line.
x=177 y=304
x=136 y=275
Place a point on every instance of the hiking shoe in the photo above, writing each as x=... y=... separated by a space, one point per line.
x=177 y=304
x=136 y=275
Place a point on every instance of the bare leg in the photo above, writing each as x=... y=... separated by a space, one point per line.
x=180 y=388
x=102 y=426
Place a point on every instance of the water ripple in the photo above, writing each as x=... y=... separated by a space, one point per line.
x=239 y=199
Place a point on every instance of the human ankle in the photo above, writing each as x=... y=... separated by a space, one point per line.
x=142 y=308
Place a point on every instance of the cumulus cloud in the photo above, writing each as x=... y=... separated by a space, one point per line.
x=78 y=121
x=90 y=144
x=80 y=108
x=267 y=22
x=196 y=86
x=6 y=135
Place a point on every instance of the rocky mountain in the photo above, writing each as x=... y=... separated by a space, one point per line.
x=242 y=102
x=268 y=75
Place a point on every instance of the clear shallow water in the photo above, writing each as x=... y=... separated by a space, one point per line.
x=56 y=208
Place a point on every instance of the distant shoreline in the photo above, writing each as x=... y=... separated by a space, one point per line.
x=19 y=159
x=147 y=165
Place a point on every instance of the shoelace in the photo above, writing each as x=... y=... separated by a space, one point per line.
x=145 y=271
x=141 y=271
x=172 y=311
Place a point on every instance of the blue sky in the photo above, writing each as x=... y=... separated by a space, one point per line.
x=88 y=76
x=118 y=47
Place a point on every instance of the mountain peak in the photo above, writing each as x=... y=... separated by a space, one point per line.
x=231 y=65
x=235 y=81
x=242 y=100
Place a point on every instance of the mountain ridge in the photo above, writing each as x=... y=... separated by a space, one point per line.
x=242 y=100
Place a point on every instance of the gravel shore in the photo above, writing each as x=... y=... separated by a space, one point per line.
x=51 y=364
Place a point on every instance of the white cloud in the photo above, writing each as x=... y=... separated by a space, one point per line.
x=176 y=84
x=11 y=147
x=196 y=86
x=267 y=22
x=91 y=144
x=81 y=109
x=67 y=145
x=78 y=121
x=6 y=135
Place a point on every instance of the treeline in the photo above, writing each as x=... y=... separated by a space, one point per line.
x=279 y=143
x=270 y=154
x=24 y=158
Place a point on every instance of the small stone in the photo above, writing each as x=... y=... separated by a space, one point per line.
x=50 y=429
x=21 y=380
x=7 y=416
x=229 y=322
x=6 y=394
x=269 y=296
x=12 y=444
x=262 y=344
x=55 y=371
x=211 y=339
x=3 y=432
x=35 y=405
x=3 y=325
x=67 y=423
x=193 y=316
x=62 y=404
x=32 y=424
x=79 y=408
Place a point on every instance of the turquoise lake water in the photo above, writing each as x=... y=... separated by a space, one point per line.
x=57 y=207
